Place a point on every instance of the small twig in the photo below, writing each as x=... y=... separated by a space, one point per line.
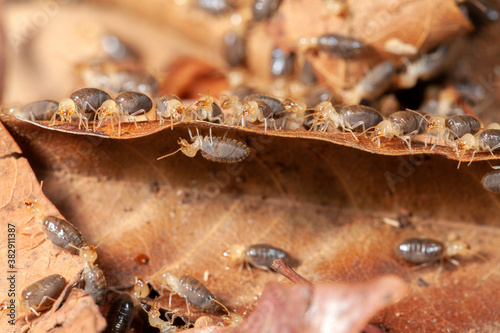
x=281 y=267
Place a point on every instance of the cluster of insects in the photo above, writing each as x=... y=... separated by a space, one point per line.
x=462 y=133
x=40 y=295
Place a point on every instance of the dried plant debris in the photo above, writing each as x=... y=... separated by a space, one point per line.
x=285 y=169
x=183 y=213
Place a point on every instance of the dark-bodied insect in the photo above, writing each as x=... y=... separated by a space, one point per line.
x=125 y=106
x=491 y=181
x=461 y=125
x=120 y=314
x=80 y=104
x=259 y=255
x=440 y=128
x=170 y=106
x=253 y=111
x=117 y=49
x=133 y=102
x=155 y=320
x=192 y=290
x=59 y=231
x=268 y=109
x=402 y=124
x=282 y=63
x=487 y=140
x=425 y=250
x=307 y=75
x=425 y=67
x=40 y=295
x=89 y=100
x=234 y=49
x=40 y=110
x=216 y=7
x=340 y=46
x=357 y=118
x=92 y=275
x=372 y=85
x=263 y=9
x=207 y=109
x=216 y=149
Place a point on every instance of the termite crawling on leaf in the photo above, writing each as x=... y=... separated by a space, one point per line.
x=401 y=124
x=125 y=106
x=259 y=255
x=192 y=290
x=216 y=149
x=40 y=295
x=92 y=275
x=59 y=231
x=425 y=250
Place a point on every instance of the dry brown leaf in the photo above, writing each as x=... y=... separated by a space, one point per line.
x=182 y=213
x=32 y=262
x=78 y=314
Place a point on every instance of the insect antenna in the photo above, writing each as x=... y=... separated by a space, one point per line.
x=175 y=152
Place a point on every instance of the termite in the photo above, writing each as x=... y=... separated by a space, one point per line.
x=491 y=181
x=358 y=118
x=263 y=9
x=80 y=103
x=170 y=106
x=125 y=106
x=425 y=67
x=340 y=46
x=120 y=314
x=40 y=295
x=350 y=118
x=234 y=49
x=192 y=290
x=216 y=7
x=251 y=111
x=463 y=124
x=117 y=49
x=259 y=255
x=141 y=288
x=372 y=85
x=451 y=128
x=269 y=108
x=67 y=110
x=215 y=149
x=487 y=140
x=295 y=114
x=40 y=110
x=282 y=63
x=207 y=109
x=59 y=231
x=425 y=250
x=93 y=276
x=155 y=320
x=402 y=124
